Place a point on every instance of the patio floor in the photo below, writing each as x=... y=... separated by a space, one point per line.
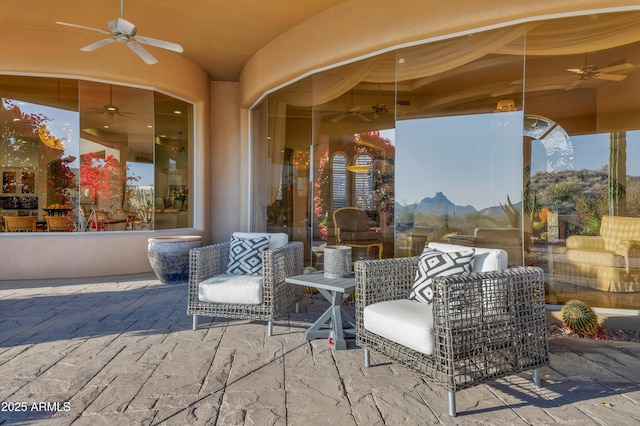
x=120 y=351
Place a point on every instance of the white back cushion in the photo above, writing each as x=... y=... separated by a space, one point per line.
x=487 y=259
x=279 y=239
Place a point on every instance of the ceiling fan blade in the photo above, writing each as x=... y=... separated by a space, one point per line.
x=365 y=118
x=174 y=47
x=339 y=117
x=84 y=28
x=142 y=52
x=615 y=68
x=576 y=70
x=577 y=82
x=98 y=44
x=611 y=77
x=95 y=111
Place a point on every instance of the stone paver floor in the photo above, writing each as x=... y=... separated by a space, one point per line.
x=120 y=351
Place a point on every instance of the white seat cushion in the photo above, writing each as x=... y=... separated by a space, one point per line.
x=486 y=259
x=407 y=322
x=231 y=288
x=277 y=239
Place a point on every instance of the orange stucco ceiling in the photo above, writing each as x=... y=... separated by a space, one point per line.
x=262 y=45
x=218 y=35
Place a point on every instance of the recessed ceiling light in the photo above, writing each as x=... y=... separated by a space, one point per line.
x=177 y=112
x=401 y=61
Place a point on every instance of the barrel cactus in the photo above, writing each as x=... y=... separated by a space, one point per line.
x=580 y=318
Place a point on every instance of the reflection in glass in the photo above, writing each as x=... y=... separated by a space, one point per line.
x=171 y=156
x=487 y=154
x=459 y=179
x=86 y=150
x=9 y=182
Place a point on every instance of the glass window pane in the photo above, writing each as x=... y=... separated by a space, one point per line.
x=89 y=151
x=39 y=124
x=460 y=177
x=114 y=122
x=170 y=157
x=583 y=155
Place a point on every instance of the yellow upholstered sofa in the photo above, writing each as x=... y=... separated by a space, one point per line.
x=609 y=261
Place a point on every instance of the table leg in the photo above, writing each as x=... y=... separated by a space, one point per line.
x=334 y=314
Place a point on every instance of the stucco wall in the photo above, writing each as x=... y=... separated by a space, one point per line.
x=228 y=161
x=55 y=53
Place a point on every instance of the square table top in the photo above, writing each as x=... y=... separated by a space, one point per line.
x=318 y=280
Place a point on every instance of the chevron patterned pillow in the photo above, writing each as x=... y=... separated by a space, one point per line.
x=245 y=255
x=434 y=263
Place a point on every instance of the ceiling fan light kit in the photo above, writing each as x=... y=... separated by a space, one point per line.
x=123 y=31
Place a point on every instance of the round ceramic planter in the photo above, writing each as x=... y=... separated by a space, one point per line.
x=169 y=257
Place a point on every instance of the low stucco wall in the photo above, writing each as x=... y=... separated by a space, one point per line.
x=43 y=255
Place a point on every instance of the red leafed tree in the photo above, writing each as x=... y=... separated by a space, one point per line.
x=60 y=180
x=102 y=179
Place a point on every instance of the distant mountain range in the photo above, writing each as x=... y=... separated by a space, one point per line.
x=441 y=205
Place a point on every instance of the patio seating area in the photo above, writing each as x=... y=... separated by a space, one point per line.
x=121 y=350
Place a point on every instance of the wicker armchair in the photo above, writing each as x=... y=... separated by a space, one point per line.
x=351 y=227
x=486 y=325
x=20 y=223
x=277 y=296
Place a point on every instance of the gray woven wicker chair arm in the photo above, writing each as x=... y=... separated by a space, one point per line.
x=386 y=279
x=281 y=263
x=208 y=261
x=486 y=311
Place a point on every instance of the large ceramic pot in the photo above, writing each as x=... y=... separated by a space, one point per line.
x=169 y=257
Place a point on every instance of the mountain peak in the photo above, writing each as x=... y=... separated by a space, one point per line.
x=440 y=204
x=438 y=198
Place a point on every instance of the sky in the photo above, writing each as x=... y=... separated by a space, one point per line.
x=471 y=159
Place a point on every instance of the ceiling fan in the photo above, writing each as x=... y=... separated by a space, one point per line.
x=379 y=109
x=123 y=31
x=589 y=71
x=110 y=109
x=351 y=110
